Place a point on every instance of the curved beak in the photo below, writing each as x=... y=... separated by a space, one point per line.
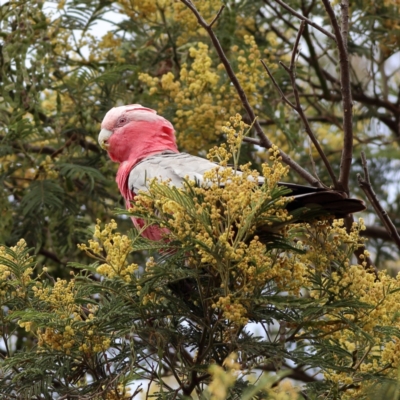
x=104 y=135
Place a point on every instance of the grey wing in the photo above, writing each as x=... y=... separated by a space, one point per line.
x=172 y=166
x=177 y=166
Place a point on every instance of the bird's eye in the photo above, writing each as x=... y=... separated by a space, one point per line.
x=121 y=121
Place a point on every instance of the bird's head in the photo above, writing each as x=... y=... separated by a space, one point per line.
x=135 y=130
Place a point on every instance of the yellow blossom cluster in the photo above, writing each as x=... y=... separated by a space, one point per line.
x=143 y=9
x=245 y=24
x=15 y=271
x=47 y=170
x=118 y=393
x=233 y=311
x=189 y=27
x=381 y=297
x=250 y=71
x=74 y=328
x=171 y=12
x=112 y=249
x=328 y=248
x=16 y=281
x=222 y=219
x=53 y=103
x=61 y=39
x=61 y=301
x=203 y=96
x=71 y=337
x=325 y=242
x=223 y=378
x=273 y=173
x=234 y=130
x=109 y=47
x=94 y=343
x=43 y=171
x=198 y=116
x=56 y=340
x=285 y=390
x=61 y=296
x=49 y=103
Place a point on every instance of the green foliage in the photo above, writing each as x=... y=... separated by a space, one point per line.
x=207 y=312
x=58 y=83
x=60 y=71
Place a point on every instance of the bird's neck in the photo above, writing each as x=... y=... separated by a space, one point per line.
x=122 y=181
x=143 y=148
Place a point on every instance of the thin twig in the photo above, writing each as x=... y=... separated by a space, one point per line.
x=315 y=60
x=29 y=148
x=280 y=16
x=309 y=21
x=310 y=7
x=284 y=98
x=291 y=70
x=217 y=16
x=66 y=145
x=323 y=48
x=329 y=117
x=365 y=185
x=51 y=151
x=265 y=142
x=356 y=95
x=360 y=361
x=299 y=109
x=252 y=140
x=377 y=232
x=296 y=46
x=171 y=41
x=347 y=155
x=320 y=118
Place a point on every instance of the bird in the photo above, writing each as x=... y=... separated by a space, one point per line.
x=144 y=144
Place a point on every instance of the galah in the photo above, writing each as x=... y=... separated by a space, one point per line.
x=144 y=144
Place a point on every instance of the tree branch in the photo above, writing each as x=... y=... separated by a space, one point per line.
x=252 y=140
x=305 y=19
x=217 y=16
x=377 y=232
x=30 y=148
x=345 y=20
x=341 y=41
x=315 y=63
x=365 y=185
x=295 y=373
x=291 y=70
x=284 y=98
x=49 y=254
x=265 y=142
x=358 y=94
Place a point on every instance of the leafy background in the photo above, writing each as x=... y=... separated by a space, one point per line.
x=59 y=78
x=60 y=74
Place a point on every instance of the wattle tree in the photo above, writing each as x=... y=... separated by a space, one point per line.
x=255 y=289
